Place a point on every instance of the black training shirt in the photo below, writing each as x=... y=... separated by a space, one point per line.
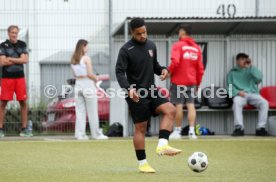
x=139 y=62
x=9 y=49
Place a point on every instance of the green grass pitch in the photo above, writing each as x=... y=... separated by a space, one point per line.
x=230 y=159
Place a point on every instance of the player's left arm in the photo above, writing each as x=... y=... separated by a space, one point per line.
x=23 y=59
x=4 y=61
x=200 y=68
x=256 y=74
x=159 y=70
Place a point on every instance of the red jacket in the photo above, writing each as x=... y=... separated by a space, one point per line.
x=186 y=66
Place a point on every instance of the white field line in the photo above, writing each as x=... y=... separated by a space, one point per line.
x=129 y=139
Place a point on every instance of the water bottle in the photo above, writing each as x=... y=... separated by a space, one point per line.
x=30 y=126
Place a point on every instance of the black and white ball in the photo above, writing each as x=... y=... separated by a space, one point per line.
x=198 y=162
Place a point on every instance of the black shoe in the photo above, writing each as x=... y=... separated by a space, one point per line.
x=238 y=132
x=261 y=132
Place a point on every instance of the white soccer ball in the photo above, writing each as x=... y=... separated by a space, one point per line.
x=198 y=162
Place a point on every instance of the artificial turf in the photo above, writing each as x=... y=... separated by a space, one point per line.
x=230 y=159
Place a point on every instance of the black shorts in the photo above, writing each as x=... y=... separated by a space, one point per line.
x=184 y=96
x=142 y=111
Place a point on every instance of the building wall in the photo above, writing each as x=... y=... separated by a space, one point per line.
x=187 y=8
x=267 y=8
x=49 y=75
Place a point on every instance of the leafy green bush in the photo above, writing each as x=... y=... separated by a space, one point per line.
x=12 y=120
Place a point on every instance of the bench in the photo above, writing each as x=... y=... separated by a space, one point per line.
x=207 y=109
x=218 y=120
x=221 y=121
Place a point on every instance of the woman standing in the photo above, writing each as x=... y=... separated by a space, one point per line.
x=85 y=93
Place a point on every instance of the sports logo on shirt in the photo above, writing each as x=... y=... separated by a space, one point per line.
x=190 y=55
x=189 y=48
x=151 y=53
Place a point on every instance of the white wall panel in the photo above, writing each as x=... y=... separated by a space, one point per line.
x=179 y=8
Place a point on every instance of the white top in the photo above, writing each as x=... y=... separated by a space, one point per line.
x=80 y=69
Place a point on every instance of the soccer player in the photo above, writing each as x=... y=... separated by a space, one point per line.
x=136 y=65
x=186 y=71
x=13 y=55
x=244 y=78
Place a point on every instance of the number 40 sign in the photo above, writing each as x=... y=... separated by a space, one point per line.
x=225 y=10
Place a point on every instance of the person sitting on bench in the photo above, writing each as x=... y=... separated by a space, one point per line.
x=242 y=81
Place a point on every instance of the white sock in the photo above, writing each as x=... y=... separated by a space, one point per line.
x=142 y=162
x=192 y=129
x=162 y=142
x=177 y=129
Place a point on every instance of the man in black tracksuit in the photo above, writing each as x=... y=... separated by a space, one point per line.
x=136 y=65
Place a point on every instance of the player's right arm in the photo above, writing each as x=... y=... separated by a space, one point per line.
x=175 y=58
x=3 y=59
x=120 y=70
x=231 y=89
x=121 y=67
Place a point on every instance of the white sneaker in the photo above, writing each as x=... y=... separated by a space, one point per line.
x=101 y=136
x=82 y=137
x=2 y=135
x=175 y=135
x=192 y=136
